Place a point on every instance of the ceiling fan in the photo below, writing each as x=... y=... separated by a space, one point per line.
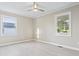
x=35 y=7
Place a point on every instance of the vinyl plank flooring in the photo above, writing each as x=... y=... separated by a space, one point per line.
x=34 y=48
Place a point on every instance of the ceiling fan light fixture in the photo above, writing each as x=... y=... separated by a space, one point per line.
x=35 y=10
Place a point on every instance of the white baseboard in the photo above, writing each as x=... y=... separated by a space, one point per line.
x=15 y=42
x=52 y=43
x=56 y=44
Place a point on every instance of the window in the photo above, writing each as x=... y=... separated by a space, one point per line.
x=8 y=26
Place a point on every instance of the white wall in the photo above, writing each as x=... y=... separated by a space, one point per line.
x=47 y=26
x=24 y=28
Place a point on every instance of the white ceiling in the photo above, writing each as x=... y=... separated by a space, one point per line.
x=22 y=7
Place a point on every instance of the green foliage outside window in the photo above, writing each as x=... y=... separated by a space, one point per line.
x=62 y=24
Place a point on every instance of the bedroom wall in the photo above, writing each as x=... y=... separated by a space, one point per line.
x=24 y=28
x=47 y=26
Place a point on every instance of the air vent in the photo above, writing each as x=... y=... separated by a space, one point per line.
x=60 y=46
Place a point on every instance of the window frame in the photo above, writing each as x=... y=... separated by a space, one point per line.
x=2 y=20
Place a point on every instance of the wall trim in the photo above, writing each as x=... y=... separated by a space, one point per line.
x=56 y=44
x=15 y=42
x=52 y=43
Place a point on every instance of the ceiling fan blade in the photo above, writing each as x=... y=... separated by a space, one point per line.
x=41 y=10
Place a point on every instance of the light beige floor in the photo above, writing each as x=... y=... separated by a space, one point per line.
x=34 y=48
